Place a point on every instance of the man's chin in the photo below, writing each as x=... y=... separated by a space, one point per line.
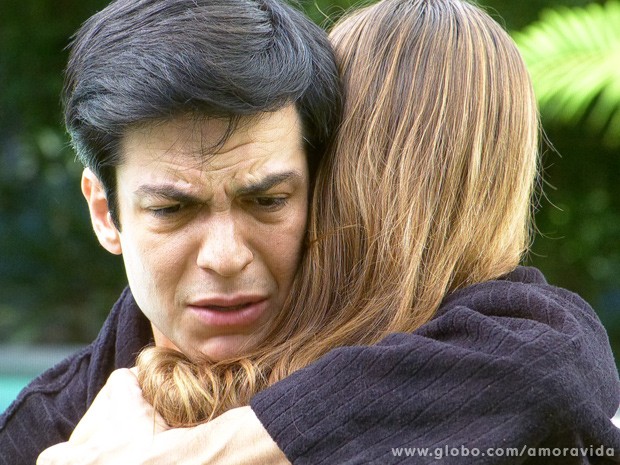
x=220 y=348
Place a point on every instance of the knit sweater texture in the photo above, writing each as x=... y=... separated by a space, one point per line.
x=506 y=371
x=508 y=365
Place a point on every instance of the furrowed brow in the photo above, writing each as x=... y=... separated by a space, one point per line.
x=269 y=182
x=166 y=193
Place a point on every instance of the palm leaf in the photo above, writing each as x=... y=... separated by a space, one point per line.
x=573 y=55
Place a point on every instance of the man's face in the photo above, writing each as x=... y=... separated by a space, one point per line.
x=211 y=242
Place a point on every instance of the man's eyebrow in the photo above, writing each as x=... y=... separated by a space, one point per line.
x=170 y=192
x=269 y=181
x=166 y=192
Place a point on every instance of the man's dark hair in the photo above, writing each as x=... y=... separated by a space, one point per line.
x=145 y=60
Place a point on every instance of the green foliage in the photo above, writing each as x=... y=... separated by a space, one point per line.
x=573 y=56
x=577 y=245
x=56 y=282
x=325 y=13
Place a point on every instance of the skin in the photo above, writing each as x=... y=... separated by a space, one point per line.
x=122 y=428
x=210 y=241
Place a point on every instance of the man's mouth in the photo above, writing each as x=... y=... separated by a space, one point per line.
x=227 y=308
x=224 y=311
x=227 y=303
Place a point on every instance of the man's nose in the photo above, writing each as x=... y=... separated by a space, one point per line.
x=224 y=249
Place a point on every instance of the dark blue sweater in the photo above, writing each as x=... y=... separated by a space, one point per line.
x=508 y=367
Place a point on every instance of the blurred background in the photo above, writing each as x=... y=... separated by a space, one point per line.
x=57 y=284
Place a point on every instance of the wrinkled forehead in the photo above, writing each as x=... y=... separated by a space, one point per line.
x=190 y=152
x=208 y=139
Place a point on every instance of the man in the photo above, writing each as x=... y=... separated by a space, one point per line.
x=199 y=124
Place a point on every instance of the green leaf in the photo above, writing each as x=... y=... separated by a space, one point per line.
x=573 y=55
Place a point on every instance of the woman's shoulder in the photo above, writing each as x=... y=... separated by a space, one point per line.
x=548 y=334
x=524 y=295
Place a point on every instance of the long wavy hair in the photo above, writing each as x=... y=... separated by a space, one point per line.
x=426 y=189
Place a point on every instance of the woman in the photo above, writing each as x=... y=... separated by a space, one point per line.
x=412 y=324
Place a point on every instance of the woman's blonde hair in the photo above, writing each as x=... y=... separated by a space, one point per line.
x=426 y=189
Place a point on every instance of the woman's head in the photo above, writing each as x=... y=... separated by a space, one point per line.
x=437 y=154
x=428 y=184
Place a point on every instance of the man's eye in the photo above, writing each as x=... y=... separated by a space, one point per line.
x=166 y=211
x=269 y=203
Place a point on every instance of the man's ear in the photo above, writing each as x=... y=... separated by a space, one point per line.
x=106 y=232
